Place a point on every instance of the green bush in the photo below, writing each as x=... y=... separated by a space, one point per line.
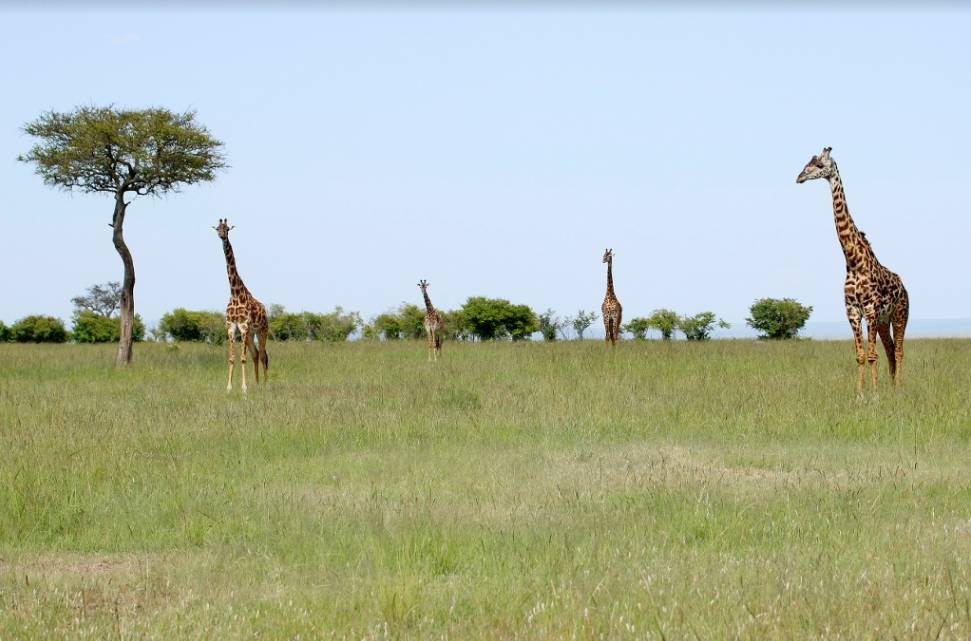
x=336 y=326
x=284 y=326
x=6 y=335
x=663 y=320
x=90 y=327
x=491 y=318
x=638 y=327
x=387 y=326
x=40 y=329
x=549 y=325
x=412 y=320
x=204 y=326
x=408 y=321
x=457 y=325
x=700 y=326
x=778 y=319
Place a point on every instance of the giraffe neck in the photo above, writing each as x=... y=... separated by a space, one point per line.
x=610 y=279
x=236 y=286
x=855 y=246
x=428 y=302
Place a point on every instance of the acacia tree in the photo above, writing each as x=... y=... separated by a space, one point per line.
x=581 y=322
x=101 y=299
x=149 y=152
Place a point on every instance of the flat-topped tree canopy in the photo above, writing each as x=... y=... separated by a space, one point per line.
x=102 y=149
x=145 y=152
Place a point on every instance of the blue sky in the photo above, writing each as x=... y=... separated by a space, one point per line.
x=497 y=151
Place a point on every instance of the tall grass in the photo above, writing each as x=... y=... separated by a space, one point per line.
x=728 y=488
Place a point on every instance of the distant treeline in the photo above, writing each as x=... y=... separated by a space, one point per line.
x=479 y=318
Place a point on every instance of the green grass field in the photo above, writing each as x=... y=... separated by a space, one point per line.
x=666 y=490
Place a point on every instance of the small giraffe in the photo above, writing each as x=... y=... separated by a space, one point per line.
x=872 y=292
x=611 y=308
x=434 y=324
x=244 y=313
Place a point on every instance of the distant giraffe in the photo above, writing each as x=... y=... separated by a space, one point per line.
x=244 y=313
x=611 y=308
x=872 y=292
x=434 y=324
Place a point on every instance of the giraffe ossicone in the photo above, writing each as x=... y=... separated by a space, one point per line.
x=872 y=293
x=245 y=314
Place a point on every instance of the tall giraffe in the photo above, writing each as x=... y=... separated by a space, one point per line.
x=611 y=308
x=872 y=292
x=434 y=324
x=244 y=313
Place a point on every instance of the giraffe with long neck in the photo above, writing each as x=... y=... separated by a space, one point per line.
x=612 y=311
x=434 y=324
x=872 y=292
x=243 y=313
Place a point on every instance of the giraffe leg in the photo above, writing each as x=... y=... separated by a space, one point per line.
x=854 y=316
x=883 y=330
x=617 y=324
x=438 y=342
x=255 y=351
x=899 y=321
x=263 y=357
x=231 y=330
x=871 y=353
x=244 y=335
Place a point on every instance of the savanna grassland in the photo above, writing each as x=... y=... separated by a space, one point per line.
x=665 y=490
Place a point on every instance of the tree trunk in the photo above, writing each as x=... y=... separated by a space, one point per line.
x=127 y=312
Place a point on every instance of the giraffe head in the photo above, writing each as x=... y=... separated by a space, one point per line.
x=224 y=229
x=821 y=166
x=609 y=256
x=423 y=284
